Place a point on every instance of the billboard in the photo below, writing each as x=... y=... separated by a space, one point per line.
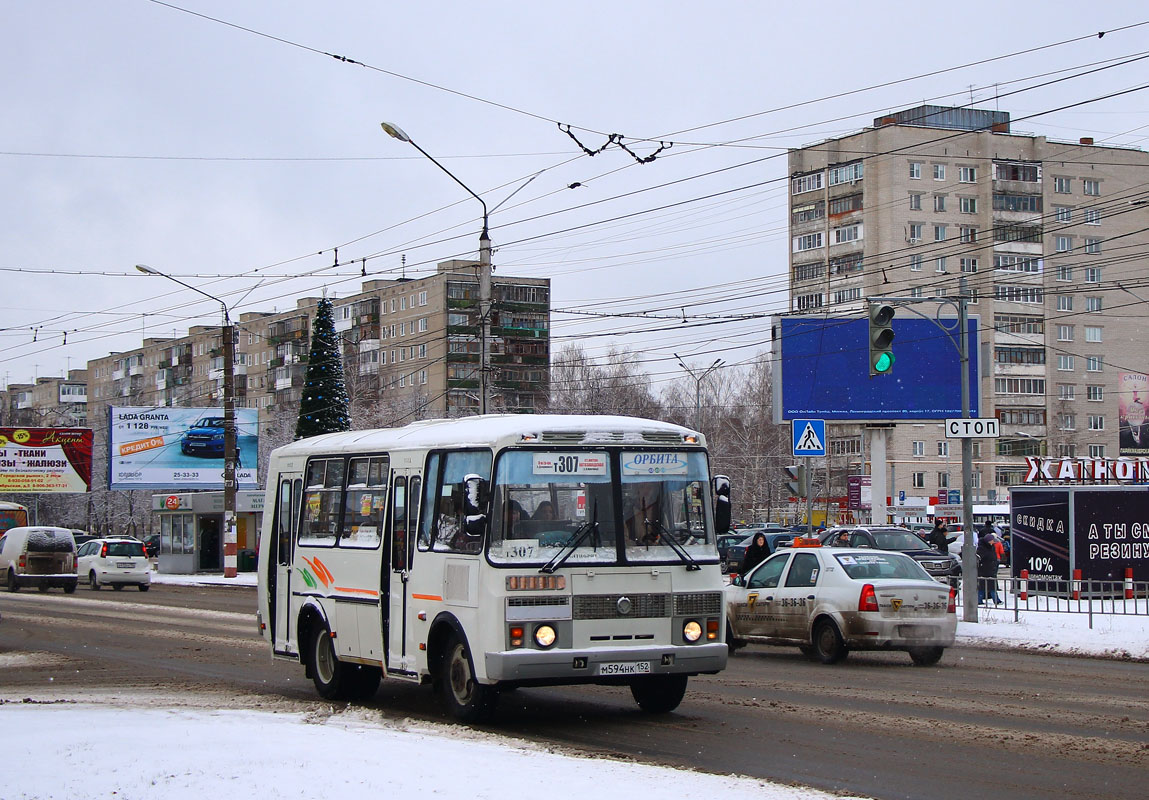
x=178 y=448
x=821 y=370
x=1132 y=430
x=54 y=460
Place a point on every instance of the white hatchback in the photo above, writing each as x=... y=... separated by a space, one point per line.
x=114 y=562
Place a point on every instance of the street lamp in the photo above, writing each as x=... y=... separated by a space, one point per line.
x=395 y=132
x=698 y=379
x=227 y=341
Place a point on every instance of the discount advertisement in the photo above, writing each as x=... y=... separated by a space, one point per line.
x=1039 y=533
x=50 y=460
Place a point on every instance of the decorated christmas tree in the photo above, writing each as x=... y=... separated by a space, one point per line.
x=325 y=405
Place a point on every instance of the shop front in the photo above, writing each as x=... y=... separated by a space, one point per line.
x=191 y=530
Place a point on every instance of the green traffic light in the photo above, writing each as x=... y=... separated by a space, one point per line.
x=884 y=363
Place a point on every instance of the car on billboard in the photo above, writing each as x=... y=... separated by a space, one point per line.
x=204 y=438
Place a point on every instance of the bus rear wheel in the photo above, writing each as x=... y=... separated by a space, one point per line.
x=466 y=699
x=659 y=694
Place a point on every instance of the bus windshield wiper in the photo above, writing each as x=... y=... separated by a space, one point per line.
x=665 y=537
x=572 y=543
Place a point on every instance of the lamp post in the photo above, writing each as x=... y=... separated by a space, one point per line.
x=698 y=379
x=395 y=132
x=227 y=342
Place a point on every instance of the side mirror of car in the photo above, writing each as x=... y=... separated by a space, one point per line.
x=737 y=581
x=474 y=503
x=721 y=503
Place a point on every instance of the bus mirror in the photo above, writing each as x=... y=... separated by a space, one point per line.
x=474 y=504
x=721 y=503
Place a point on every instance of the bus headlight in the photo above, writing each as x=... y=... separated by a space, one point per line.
x=544 y=636
x=692 y=631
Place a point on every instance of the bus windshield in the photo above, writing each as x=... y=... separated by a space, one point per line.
x=547 y=502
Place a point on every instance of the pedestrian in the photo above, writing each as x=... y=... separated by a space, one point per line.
x=987 y=569
x=755 y=554
x=939 y=537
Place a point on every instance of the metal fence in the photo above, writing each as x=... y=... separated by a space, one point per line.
x=1121 y=597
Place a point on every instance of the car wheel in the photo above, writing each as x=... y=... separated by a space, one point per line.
x=659 y=694
x=70 y=587
x=926 y=656
x=43 y=586
x=143 y=587
x=13 y=584
x=93 y=581
x=828 y=645
x=119 y=587
x=466 y=699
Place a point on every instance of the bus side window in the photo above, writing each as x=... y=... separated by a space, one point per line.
x=283 y=521
x=366 y=502
x=399 y=524
x=322 y=502
x=429 y=490
x=414 y=498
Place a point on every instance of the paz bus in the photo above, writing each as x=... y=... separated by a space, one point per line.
x=487 y=553
x=12 y=515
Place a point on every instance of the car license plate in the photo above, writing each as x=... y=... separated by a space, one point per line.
x=624 y=668
x=916 y=631
x=125 y=565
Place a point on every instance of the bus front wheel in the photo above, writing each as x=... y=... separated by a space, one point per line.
x=466 y=699
x=659 y=694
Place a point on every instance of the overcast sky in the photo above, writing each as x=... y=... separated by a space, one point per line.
x=226 y=146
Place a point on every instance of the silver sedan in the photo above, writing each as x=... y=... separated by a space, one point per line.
x=829 y=601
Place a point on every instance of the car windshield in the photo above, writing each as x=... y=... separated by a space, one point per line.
x=896 y=540
x=123 y=549
x=209 y=422
x=876 y=566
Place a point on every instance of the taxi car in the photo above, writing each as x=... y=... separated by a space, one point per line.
x=828 y=601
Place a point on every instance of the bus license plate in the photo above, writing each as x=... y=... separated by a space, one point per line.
x=624 y=668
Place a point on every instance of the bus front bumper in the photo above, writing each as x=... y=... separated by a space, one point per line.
x=609 y=664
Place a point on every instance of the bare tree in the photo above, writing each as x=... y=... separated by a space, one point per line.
x=580 y=385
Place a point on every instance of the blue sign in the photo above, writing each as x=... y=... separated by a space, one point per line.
x=902 y=496
x=821 y=371
x=809 y=437
x=955 y=497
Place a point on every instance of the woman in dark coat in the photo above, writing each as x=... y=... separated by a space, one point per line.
x=986 y=569
x=939 y=537
x=755 y=554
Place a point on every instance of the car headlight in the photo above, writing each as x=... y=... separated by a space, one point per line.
x=692 y=631
x=544 y=636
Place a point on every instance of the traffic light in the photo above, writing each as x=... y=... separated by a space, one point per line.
x=881 y=339
x=796 y=480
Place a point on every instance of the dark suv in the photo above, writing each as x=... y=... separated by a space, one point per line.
x=204 y=438
x=941 y=566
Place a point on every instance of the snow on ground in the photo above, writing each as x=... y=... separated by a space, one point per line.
x=196 y=754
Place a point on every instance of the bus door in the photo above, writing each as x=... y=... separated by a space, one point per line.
x=279 y=560
x=406 y=490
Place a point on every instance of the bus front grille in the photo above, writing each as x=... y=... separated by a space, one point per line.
x=611 y=606
x=697 y=604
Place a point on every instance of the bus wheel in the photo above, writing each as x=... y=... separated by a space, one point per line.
x=466 y=699
x=332 y=678
x=659 y=694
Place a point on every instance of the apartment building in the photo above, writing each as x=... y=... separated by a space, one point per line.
x=51 y=402
x=1051 y=239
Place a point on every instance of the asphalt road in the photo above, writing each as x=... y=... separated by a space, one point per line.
x=981 y=723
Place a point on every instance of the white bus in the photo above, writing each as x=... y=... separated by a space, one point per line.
x=492 y=552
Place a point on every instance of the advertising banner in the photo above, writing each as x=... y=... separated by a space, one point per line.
x=1111 y=533
x=1132 y=430
x=178 y=448
x=55 y=460
x=1039 y=534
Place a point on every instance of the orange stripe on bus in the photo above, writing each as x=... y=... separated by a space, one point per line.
x=426 y=597
x=371 y=592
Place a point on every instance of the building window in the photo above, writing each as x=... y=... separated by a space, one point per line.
x=805 y=272
x=1094 y=364
x=1066 y=391
x=1064 y=244
x=1065 y=333
x=1019 y=355
x=916 y=291
x=1065 y=273
x=806 y=183
x=1067 y=422
x=1012 y=323
x=968 y=265
x=940 y=291
x=915 y=170
x=808 y=301
x=943 y=480
x=1035 y=386
x=1065 y=363
x=423 y=325
x=1028 y=203
x=844 y=205
x=1093 y=304
x=919 y=449
x=1097 y=451
x=846 y=173
x=849 y=233
x=809 y=241
x=939 y=172
x=939 y=202
x=847 y=295
x=944 y=449
x=844 y=265
x=1017 y=233
x=916 y=231
x=808 y=212
x=1065 y=302
x=1064 y=213
x=940 y=264
x=1092 y=333
x=1092 y=216
x=939 y=233
x=918 y=481
x=1093 y=274
x=1096 y=422
x=1095 y=393
x=1019 y=293
x=1008 y=263
x=1016 y=171
x=1063 y=185
x=967 y=174
x=915 y=263
x=1092 y=246
x=915 y=202
x=1067 y=451
x=967 y=205
x=967 y=235
x=1091 y=188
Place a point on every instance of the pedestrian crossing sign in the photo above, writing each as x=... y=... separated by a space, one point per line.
x=809 y=437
